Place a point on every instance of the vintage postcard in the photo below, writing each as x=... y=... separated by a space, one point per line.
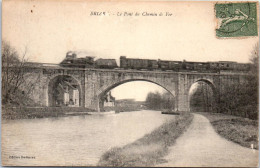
x=130 y=84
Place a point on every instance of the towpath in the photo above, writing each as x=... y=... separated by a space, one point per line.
x=201 y=146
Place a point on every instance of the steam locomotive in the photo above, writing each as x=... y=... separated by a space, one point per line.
x=71 y=60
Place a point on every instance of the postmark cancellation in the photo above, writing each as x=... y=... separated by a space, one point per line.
x=236 y=19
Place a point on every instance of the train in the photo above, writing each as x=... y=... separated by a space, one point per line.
x=71 y=60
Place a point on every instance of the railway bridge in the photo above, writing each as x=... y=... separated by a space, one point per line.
x=92 y=84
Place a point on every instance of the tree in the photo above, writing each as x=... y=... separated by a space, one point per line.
x=251 y=87
x=14 y=75
x=158 y=101
x=241 y=98
x=202 y=98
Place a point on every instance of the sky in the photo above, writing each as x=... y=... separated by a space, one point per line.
x=137 y=90
x=48 y=29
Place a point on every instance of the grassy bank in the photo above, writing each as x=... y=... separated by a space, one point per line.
x=150 y=149
x=39 y=112
x=237 y=129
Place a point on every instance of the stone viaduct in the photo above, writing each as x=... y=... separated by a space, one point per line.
x=95 y=83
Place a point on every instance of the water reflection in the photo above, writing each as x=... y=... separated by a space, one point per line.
x=74 y=140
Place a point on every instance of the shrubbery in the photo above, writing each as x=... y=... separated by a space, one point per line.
x=157 y=101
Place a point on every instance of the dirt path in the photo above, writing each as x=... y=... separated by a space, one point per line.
x=200 y=146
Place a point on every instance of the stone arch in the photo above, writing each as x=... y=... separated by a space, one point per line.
x=105 y=89
x=209 y=83
x=51 y=83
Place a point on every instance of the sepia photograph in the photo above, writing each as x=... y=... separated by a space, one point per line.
x=130 y=84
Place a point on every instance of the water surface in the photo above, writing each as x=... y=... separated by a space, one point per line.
x=74 y=140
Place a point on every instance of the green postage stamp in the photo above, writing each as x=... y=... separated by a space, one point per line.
x=236 y=19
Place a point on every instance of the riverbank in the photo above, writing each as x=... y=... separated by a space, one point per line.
x=240 y=130
x=150 y=149
x=122 y=109
x=41 y=112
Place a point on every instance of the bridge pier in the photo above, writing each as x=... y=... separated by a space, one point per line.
x=182 y=102
x=98 y=106
x=182 y=90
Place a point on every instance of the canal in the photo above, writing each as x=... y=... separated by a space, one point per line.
x=73 y=140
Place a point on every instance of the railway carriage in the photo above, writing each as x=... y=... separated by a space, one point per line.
x=226 y=65
x=187 y=65
x=213 y=65
x=152 y=64
x=169 y=65
x=106 y=63
x=132 y=63
x=201 y=66
x=242 y=67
